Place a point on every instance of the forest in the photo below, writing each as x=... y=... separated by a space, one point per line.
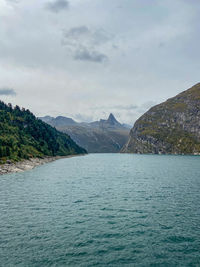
x=23 y=136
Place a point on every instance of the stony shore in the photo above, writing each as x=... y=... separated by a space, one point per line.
x=26 y=165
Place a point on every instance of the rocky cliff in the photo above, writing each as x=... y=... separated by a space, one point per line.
x=172 y=127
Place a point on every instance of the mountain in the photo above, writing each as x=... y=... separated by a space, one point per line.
x=103 y=136
x=58 y=121
x=110 y=123
x=172 y=127
x=23 y=136
x=96 y=140
x=47 y=119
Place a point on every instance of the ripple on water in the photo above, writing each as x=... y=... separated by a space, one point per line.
x=78 y=201
x=111 y=210
x=179 y=239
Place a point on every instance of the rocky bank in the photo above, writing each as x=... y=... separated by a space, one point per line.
x=25 y=165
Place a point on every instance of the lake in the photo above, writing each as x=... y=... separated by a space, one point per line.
x=103 y=210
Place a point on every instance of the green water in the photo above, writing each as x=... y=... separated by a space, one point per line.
x=103 y=210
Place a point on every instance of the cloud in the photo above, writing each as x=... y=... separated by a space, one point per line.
x=82 y=118
x=57 y=6
x=150 y=47
x=77 y=31
x=125 y=107
x=86 y=44
x=146 y=106
x=86 y=55
x=88 y=36
x=7 y=91
x=126 y=113
x=12 y=1
x=116 y=107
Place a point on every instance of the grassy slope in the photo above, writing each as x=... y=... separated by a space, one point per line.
x=172 y=124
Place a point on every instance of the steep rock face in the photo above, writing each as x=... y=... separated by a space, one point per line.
x=172 y=127
x=110 y=123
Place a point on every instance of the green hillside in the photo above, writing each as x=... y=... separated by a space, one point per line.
x=172 y=127
x=23 y=136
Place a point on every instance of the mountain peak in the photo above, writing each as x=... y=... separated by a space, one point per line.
x=111 y=120
x=111 y=117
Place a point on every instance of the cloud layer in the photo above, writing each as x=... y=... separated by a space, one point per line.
x=90 y=58
x=86 y=44
x=7 y=91
x=57 y=5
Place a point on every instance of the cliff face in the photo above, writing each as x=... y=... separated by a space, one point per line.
x=172 y=127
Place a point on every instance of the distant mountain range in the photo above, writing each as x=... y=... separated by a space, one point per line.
x=172 y=127
x=103 y=136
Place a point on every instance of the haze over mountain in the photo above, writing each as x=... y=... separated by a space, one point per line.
x=170 y=127
x=103 y=136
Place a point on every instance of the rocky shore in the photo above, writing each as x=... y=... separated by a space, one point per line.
x=26 y=165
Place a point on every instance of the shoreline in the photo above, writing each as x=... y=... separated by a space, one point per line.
x=29 y=164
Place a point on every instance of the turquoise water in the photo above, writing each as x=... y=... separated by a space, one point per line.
x=103 y=210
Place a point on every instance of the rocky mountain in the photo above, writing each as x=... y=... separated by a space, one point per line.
x=58 y=121
x=46 y=119
x=23 y=136
x=103 y=136
x=172 y=127
x=111 y=122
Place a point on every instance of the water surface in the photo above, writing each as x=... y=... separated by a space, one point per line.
x=103 y=210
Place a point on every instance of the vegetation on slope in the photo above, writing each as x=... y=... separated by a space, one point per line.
x=97 y=140
x=23 y=136
x=170 y=127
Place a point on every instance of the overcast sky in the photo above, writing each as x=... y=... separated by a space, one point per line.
x=87 y=58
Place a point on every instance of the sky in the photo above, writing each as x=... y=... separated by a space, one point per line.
x=87 y=58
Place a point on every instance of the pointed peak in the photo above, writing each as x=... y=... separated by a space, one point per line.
x=111 y=117
x=111 y=120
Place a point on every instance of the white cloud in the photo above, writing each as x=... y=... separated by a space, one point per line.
x=147 y=51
